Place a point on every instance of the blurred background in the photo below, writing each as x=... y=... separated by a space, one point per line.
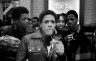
x=85 y=8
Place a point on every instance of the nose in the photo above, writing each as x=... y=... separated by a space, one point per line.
x=50 y=24
x=69 y=21
x=61 y=23
x=26 y=20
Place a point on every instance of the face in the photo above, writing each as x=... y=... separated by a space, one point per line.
x=71 y=21
x=24 y=19
x=34 y=22
x=48 y=24
x=60 y=23
x=30 y=23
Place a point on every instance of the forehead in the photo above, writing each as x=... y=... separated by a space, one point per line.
x=24 y=15
x=34 y=19
x=49 y=17
x=61 y=17
x=70 y=16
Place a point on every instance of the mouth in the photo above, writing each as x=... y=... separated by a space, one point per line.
x=50 y=29
x=61 y=27
x=70 y=24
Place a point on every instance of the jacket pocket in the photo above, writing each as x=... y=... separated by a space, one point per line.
x=34 y=50
x=34 y=53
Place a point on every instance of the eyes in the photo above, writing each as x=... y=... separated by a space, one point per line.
x=71 y=19
x=34 y=21
x=24 y=18
x=47 y=21
x=58 y=21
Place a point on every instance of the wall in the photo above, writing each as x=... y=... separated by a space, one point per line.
x=90 y=12
x=35 y=7
x=38 y=7
x=1 y=10
x=94 y=11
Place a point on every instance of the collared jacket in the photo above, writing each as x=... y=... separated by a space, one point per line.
x=33 y=48
x=80 y=48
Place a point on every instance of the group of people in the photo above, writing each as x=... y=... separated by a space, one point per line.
x=58 y=37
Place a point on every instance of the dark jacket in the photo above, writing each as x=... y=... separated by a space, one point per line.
x=16 y=30
x=34 y=48
x=80 y=48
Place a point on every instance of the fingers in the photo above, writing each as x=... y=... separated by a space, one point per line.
x=58 y=46
x=55 y=41
x=59 y=49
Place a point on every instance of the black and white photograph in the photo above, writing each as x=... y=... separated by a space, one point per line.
x=47 y=30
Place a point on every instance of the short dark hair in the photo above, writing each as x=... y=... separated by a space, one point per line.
x=62 y=14
x=17 y=11
x=46 y=12
x=36 y=18
x=73 y=12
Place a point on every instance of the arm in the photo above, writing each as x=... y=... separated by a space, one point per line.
x=22 y=49
x=59 y=49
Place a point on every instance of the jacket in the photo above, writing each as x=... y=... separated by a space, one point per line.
x=16 y=30
x=34 y=48
x=81 y=48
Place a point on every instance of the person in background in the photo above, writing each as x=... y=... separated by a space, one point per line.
x=61 y=25
x=41 y=45
x=78 y=47
x=30 y=28
x=17 y=29
x=20 y=26
x=30 y=22
x=35 y=23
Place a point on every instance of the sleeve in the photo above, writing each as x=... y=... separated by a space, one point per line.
x=62 y=58
x=22 y=50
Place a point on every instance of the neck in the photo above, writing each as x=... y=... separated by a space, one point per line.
x=46 y=38
x=75 y=29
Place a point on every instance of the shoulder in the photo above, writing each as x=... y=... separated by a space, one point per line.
x=6 y=29
x=36 y=34
x=32 y=38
